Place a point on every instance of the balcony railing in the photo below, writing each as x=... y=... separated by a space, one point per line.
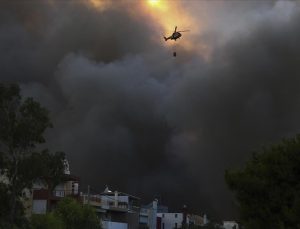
x=93 y=200
x=96 y=201
x=43 y=194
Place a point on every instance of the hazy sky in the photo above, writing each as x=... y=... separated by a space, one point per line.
x=130 y=115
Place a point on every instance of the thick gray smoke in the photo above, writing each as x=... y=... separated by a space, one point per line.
x=129 y=115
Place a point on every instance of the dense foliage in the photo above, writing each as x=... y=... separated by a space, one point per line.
x=22 y=125
x=69 y=214
x=47 y=221
x=268 y=187
x=77 y=216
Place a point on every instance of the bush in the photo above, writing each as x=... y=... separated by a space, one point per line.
x=75 y=215
x=47 y=221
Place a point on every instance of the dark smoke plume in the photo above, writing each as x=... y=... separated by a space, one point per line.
x=129 y=115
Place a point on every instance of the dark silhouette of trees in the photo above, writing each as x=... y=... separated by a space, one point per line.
x=22 y=125
x=77 y=216
x=267 y=188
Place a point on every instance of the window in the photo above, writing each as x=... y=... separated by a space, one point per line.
x=163 y=227
x=163 y=215
x=175 y=215
x=175 y=225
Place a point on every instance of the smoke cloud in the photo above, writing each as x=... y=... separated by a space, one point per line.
x=130 y=115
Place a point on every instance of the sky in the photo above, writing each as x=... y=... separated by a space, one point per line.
x=131 y=116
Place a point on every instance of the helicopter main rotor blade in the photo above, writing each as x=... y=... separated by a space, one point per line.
x=184 y=31
x=175 y=29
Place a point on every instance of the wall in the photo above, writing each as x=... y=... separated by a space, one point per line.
x=230 y=225
x=39 y=206
x=114 y=225
x=169 y=220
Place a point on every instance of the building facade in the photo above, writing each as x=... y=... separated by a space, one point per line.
x=40 y=199
x=170 y=220
x=115 y=209
x=148 y=215
x=230 y=225
x=44 y=200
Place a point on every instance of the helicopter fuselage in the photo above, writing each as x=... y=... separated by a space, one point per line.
x=176 y=35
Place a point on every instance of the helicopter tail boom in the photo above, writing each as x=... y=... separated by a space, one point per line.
x=166 y=38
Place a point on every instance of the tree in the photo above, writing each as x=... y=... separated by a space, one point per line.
x=5 y=206
x=46 y=221
x=77 y=216
x=22 y=125
x=268 y=187
x=51 y=170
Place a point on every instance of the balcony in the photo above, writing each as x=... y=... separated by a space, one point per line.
x=98 y=202
x=93 y=200
x=44 y=194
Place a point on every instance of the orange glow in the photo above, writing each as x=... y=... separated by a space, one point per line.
x=154 y=2
x=163 y=15
x=99 y=4
x=159 y=4
x=166 y=14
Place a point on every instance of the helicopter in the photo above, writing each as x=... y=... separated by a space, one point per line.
x=176 y=34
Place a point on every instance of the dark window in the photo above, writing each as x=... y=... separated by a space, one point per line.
x=163 y=215
x=163 y=226
x=175 y=215
x=175 y=225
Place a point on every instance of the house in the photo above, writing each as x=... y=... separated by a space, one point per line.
x=166 y=220
x=43 y=200
x=170 y=220
x=230 y=225
x=117 y=210
x=162 y=209
x=148 y=215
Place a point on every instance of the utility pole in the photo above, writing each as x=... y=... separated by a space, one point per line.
x=88 y=195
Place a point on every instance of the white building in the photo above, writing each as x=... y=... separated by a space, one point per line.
x=42 y=199
x=230 y=225
x=116 y=210
x=170 y=220
x=148 y=215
